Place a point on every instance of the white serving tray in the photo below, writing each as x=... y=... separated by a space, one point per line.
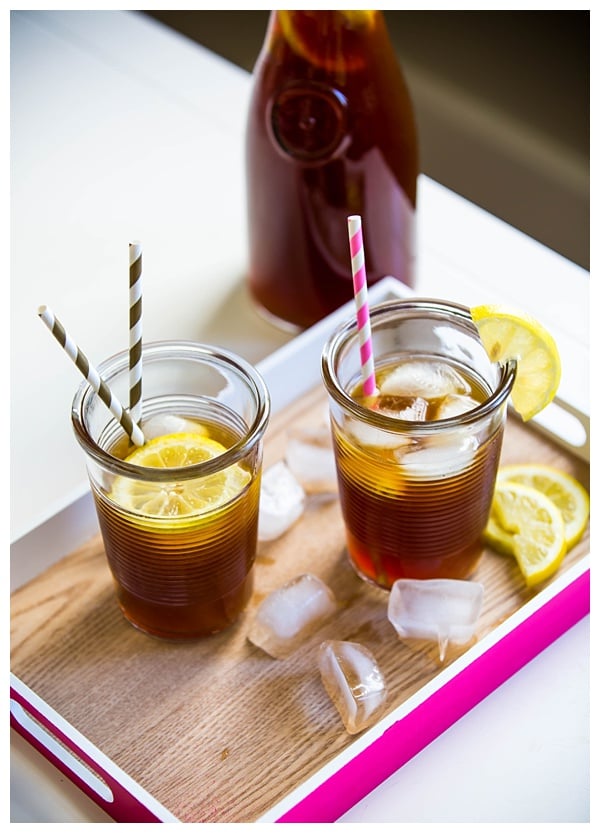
x=374 y=755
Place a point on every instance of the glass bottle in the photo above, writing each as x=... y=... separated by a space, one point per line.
x=330 y=133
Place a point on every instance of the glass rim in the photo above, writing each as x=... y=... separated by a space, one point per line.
x=180 y=349
x=348 y=330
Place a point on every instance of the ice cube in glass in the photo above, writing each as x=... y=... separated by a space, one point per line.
x=369 y=436
x=415 y=411
x=428 y=379
x=290 y=614
x=455 y=404
x=439 y=456
x=442 y=610
x=158 y=425
x=353 y=681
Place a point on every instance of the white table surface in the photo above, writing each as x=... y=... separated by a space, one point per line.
x=123 y=130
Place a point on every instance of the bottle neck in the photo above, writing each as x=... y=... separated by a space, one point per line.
x=335 y=41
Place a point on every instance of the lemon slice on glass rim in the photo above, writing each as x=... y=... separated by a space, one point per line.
x=182 y=498
x=508 y=334
x=531 y=527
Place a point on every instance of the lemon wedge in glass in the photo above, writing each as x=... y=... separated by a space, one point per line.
x=507 y=334
x=185 y=497
x=528 y=524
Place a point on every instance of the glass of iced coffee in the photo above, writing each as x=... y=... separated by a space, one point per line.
x=179 y=513
x=416 y=461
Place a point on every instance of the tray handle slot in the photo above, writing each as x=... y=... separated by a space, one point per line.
x=566 y=425
x=71 y=753
x=31 y=727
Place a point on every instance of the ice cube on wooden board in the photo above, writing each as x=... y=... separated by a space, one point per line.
x=290 y=614
x=442 y=610
x=282 y=502
x=353 y=681
x=309 y=456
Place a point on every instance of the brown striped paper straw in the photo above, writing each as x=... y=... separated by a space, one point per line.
x=135 y=331
x=91 y=375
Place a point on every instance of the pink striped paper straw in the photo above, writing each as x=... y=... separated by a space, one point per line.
x=359 y=280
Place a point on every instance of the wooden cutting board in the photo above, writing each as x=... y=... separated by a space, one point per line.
x=216 y=730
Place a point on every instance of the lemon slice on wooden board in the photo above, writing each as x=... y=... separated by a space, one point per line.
x=564 y=491
x=186 y=497
x=531 y=527
x=508 y=334
x=497 y=537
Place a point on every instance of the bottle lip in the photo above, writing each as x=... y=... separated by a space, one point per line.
x=164 y=351
x=347 y=332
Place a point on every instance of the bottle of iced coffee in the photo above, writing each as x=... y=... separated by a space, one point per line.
x=331 y=132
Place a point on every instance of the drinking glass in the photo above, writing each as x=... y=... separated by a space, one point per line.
x=415 y=493
x=189 y=575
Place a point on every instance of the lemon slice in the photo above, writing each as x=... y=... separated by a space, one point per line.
x=497 y=537
x=300 y=32
x=186 y=497
x=563 y=490
x=507 y=334
x=532 y=527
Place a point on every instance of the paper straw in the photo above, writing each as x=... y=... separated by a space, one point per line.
x=135 y=331
x=91 y=375
x=359 y=279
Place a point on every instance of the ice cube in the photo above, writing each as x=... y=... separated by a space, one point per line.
x=290 y=614
x=438 y=456
x=309 y=456
x=415 y=412
x=444 y=610
x=160 y=424
x=455 y=404
x=282 y=501
x=423 y=378
x=370 y=436
x=353 y=681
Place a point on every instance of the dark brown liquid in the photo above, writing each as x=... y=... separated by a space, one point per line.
x=330 y=133
x=187 y=577
x=402 y=524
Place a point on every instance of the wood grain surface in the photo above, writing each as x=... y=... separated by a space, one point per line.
x=217 y=730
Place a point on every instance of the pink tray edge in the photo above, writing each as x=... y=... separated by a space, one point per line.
x=400 y=742
x=413 y=732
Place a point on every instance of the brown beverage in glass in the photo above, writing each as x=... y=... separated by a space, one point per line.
x=189 y=575
x=417 y=463
x=180 y=537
